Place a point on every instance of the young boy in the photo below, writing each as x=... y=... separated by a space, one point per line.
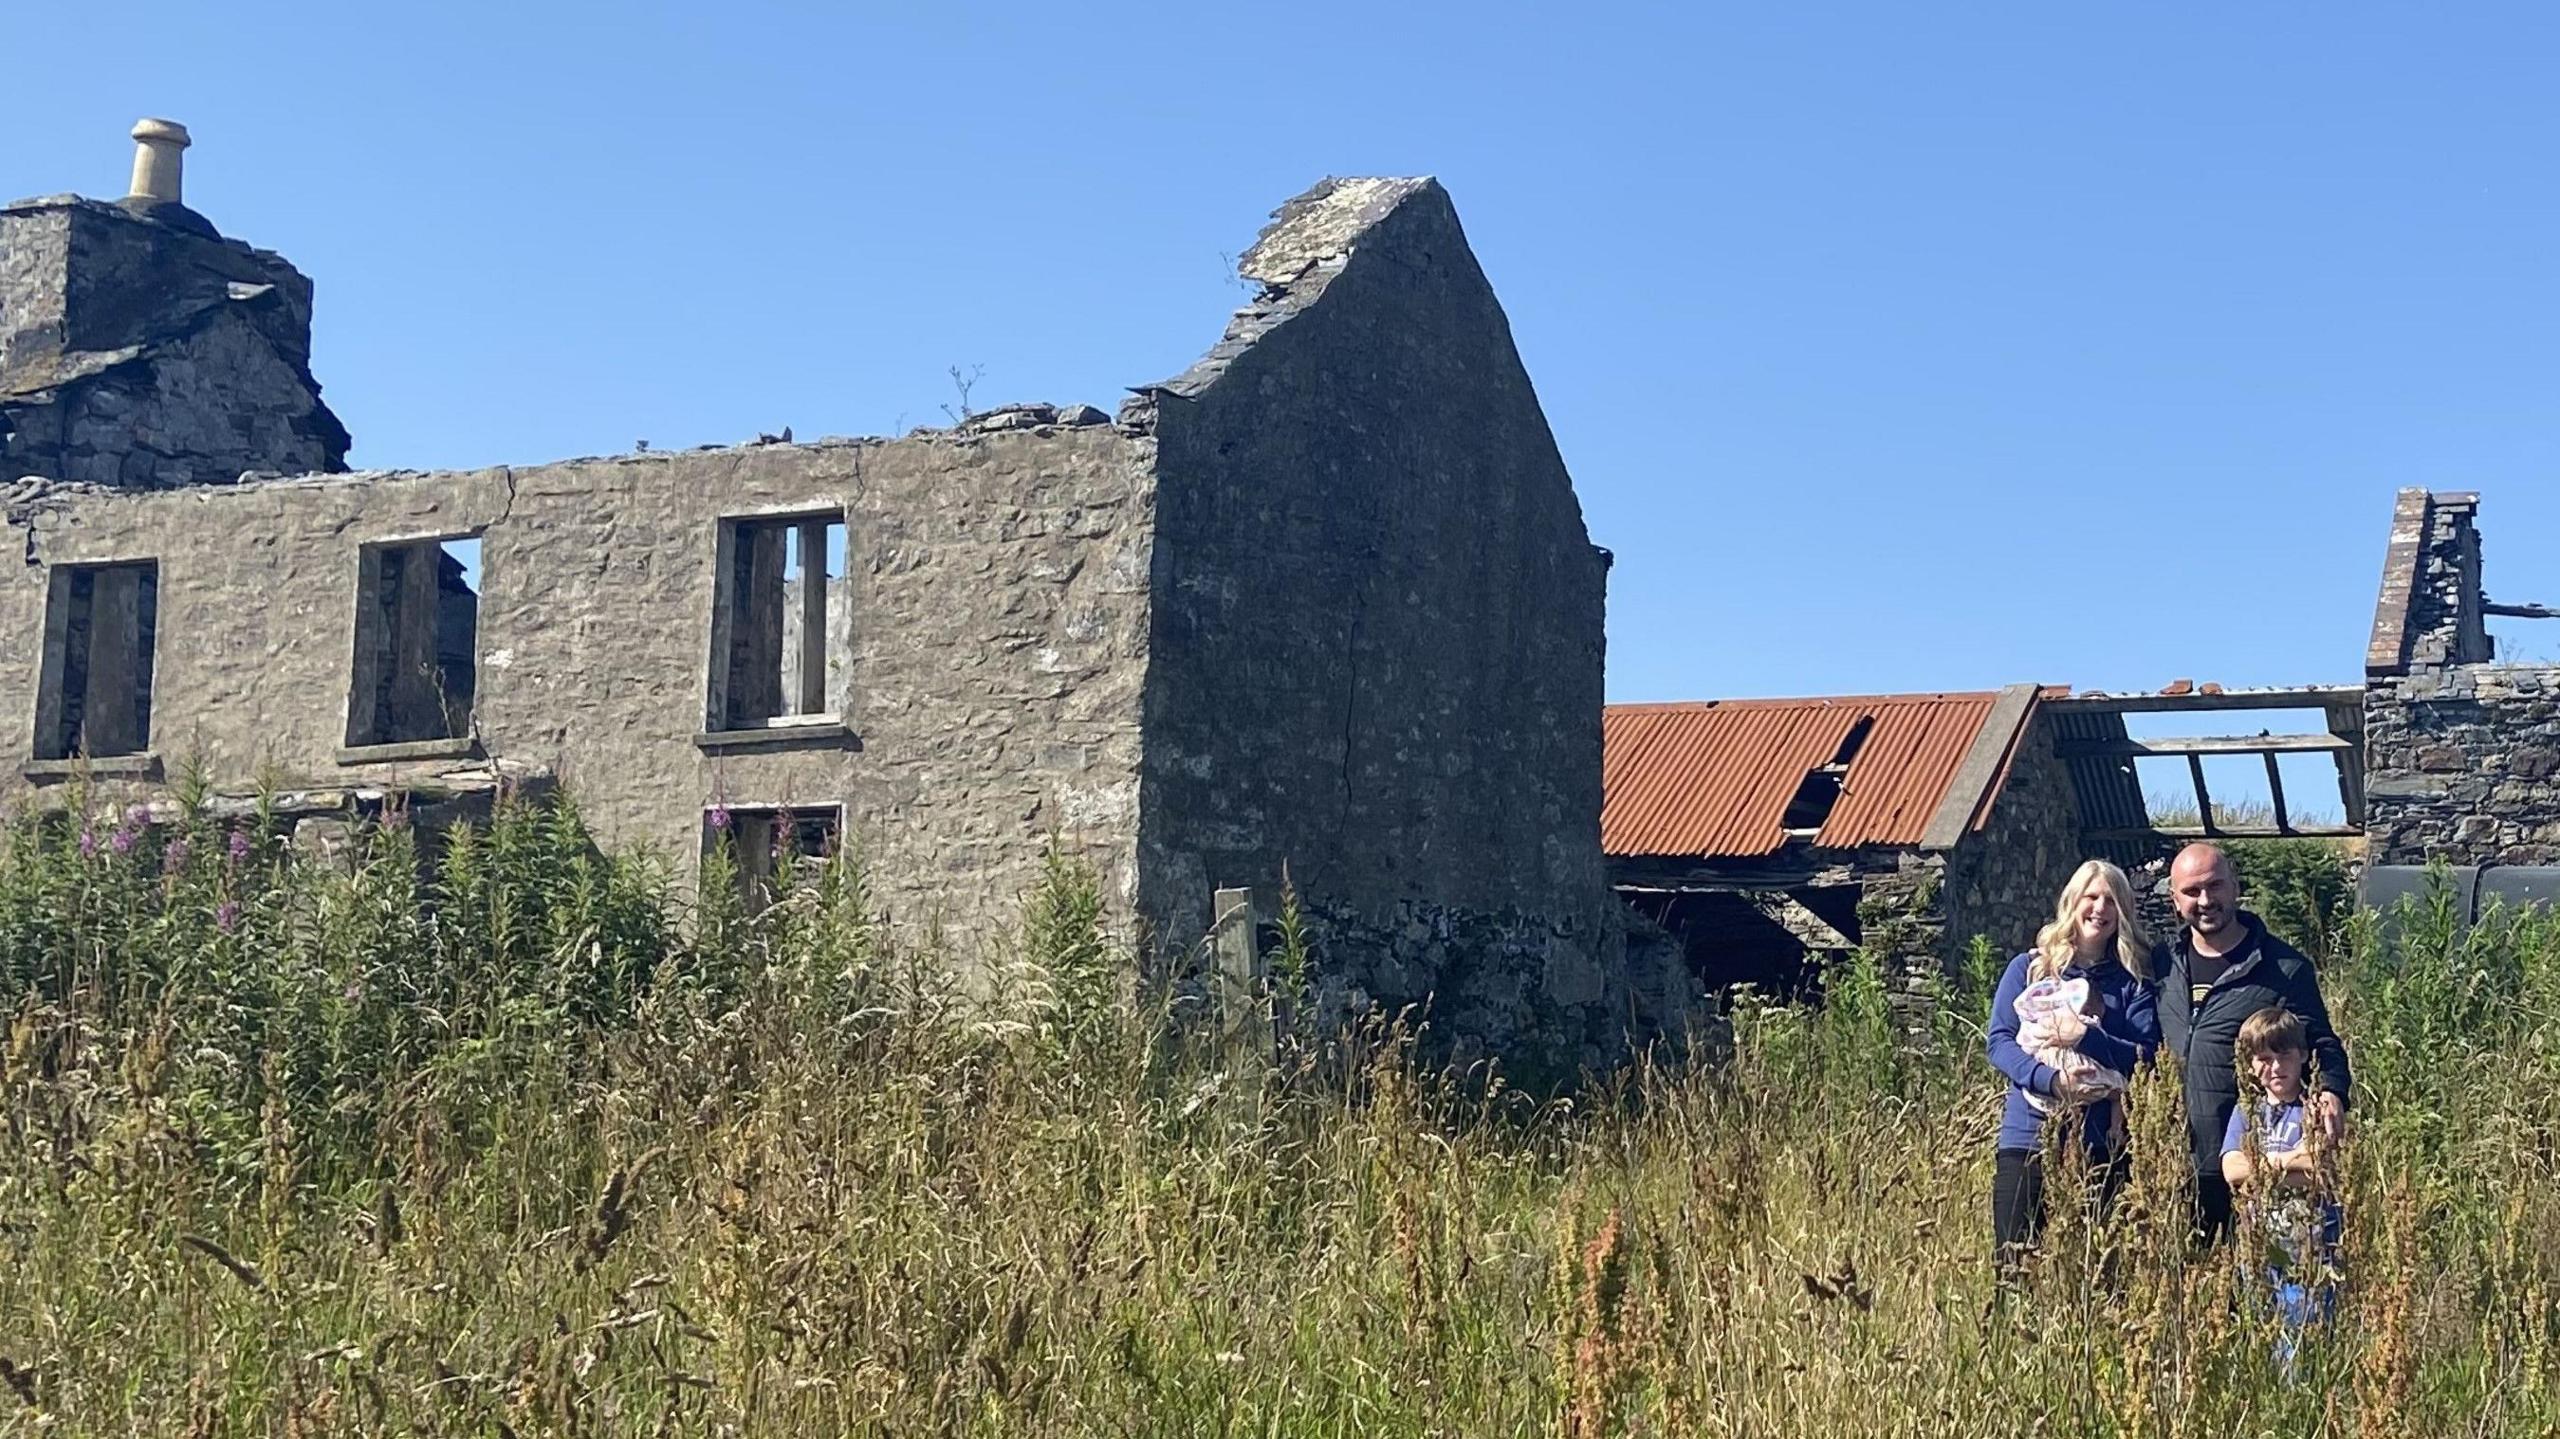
x=2265 y=1156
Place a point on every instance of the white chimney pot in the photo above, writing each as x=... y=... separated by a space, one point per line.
x=158 y=152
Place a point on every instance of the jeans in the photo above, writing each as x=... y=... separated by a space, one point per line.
x=2300 y=1305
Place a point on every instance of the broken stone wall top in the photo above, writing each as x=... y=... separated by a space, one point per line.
x=1307 y=243
x=2462 y=754
x=2429 y=611
x=140 y=349
x=1375 y=658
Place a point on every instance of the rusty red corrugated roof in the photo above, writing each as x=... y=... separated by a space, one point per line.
x=1712 y=779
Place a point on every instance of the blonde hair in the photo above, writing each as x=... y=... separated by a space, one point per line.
x=2058 y=943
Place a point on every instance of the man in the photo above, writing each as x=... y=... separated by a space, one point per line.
x=2222 y=968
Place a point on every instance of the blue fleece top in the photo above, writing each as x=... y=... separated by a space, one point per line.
x=2126 y=1033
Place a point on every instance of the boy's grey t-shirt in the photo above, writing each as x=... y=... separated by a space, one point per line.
x=2279 y=1130
x=2302 y=1229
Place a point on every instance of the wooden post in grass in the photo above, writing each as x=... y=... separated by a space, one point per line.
x=1243 y=1015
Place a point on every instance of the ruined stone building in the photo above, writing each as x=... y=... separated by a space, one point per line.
x=1768 y=835
x=2462 y=759
x=1322 y=600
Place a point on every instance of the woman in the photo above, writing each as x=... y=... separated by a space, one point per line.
x=2097 y=940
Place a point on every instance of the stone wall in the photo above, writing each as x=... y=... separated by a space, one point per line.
x=994 y=664
x=2002 y=880
x=1325 y=601
x=2463 y=764
x=1378 y=635
x=1902 y=912
x=2462 y=755
x=138 y=353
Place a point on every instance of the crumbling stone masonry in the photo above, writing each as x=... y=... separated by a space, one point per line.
x=2462 y=758
x=1322 y=601
x=1376 y=644
x=2002 y=883
x=140 y=350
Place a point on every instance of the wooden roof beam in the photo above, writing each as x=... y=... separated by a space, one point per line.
x=2269 y=744
x=2281 y=697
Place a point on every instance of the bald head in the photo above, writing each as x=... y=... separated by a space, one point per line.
x=2197 y=858
x=2205 y=891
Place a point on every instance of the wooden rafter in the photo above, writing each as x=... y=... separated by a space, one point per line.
x=2268 y=744
x=2226 y=831
x=2283 y=697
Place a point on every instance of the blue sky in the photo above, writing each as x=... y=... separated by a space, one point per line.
x=1893 y=347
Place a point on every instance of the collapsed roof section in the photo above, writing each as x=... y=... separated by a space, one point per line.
x=1743 y=779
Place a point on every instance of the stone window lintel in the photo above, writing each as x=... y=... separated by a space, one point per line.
x=465 y=747
x=784 y=732
x=120 y=766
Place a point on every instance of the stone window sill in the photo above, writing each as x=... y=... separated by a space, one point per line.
x=145 y=765
x=785 y=732
x=463 y=748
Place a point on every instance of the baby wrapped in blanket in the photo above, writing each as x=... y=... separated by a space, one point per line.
x=2052 y=1015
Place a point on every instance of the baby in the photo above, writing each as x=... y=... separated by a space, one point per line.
x=2052 y=1015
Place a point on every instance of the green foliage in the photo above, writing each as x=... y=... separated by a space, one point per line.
x=2301 y=887
x=2448 y=1012
x=330 y=1000
x=485 y=1141
x=1854 y=1034
x=1066 y=949
x=1292 y=960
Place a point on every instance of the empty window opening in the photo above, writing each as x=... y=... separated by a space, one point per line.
x=2517 y=634
x=417 y=641
x=101 y=626
x=1821 y=786
x=2297 y=779
x=2311 y=789
x=779 y=622
x=773 y=848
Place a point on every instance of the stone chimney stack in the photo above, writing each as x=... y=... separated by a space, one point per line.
x=159 y=157
x=140 y=349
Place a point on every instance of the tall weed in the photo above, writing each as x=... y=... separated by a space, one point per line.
x=487 y=1141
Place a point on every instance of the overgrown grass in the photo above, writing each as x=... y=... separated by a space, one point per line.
x=499 y=1150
